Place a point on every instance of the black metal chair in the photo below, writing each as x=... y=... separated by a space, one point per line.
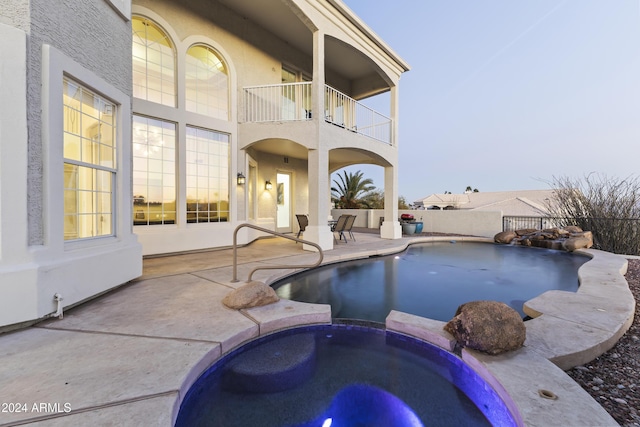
x=348 y=226
x=340 y=226
x=303 y=221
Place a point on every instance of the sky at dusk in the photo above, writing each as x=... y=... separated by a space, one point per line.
x=506 y=95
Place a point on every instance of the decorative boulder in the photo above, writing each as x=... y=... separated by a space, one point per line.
x=488 y=326
x=505 y=237
x=573 y=243
x=525 y=231
x=252 y=294
x=569 y=238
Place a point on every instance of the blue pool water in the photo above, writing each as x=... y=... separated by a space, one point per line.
x=432 y=280
x=341 y=375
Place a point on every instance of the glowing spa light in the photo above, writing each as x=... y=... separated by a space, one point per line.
x=327 y=422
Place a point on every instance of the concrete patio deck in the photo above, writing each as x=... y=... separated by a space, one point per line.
x=127 y=357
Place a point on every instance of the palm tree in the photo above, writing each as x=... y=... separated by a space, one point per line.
x=351 y=188
x=469 y=190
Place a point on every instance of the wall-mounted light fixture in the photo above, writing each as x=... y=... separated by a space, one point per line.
x=241 y=178
x=268 y=185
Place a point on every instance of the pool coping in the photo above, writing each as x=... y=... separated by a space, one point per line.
x=131 y=355
x=559 y=337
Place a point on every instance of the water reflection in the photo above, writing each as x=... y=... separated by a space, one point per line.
x=432 y=280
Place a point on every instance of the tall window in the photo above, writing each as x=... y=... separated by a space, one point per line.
x=207 y=83
x=153 y=63
x=207 y=175
x=206 y=164
x=89 y=151
x=154 y=171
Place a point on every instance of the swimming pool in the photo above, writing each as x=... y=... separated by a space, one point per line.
x=432 y=279
x=341 y=375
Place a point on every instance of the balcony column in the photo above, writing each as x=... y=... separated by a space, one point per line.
x=318 y=164
x=317 y=85
x=391 y=228
x=319 y=198
x=394 y=110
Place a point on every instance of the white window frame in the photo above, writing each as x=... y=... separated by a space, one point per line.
x=175 y=172
x=174 y=68
x=218 y=100
x=55 y=66
x=188 y=176
x=93 y=165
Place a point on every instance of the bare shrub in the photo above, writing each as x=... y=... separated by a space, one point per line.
x=608 y=207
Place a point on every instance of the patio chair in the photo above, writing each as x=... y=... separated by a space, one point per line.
x=348 y=226
x=303 y=221
x=340 y=226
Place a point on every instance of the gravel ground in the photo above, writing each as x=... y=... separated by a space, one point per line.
x=613 y=379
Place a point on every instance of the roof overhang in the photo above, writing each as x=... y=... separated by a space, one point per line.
x=287 y=21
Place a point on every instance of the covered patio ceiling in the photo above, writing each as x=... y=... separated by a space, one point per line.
x=289 y=24
x=338 y=158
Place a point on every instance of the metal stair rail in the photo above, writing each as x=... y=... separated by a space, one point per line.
x=273 y=267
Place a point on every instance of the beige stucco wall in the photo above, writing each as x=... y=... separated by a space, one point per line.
x=256 y=55
x=253 y=56
x=474 y=223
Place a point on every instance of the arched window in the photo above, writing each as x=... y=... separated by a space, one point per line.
x=153 y=63
x=207 y=83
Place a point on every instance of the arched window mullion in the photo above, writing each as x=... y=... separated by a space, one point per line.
x=206 y=82
x=154 y=63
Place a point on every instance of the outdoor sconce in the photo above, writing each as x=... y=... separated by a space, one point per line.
x=241 y=178
x=268 y=185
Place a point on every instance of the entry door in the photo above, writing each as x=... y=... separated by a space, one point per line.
x=283 y=202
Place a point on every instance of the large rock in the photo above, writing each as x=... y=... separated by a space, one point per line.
x=573 y=243
x=569 y=238
x=252 y=294
x=505 y=237
x=525 y=231
x=488 y=326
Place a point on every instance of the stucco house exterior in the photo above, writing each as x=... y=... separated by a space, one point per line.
x=158 y=126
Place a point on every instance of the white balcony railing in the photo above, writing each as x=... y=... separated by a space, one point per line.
x=292 y=101
x=277 y=103
x=350 y=114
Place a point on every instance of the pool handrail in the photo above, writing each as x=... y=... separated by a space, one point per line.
x=273 y=267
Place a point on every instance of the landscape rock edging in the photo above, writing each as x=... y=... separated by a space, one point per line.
x=569 y=238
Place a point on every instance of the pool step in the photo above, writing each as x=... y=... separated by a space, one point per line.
x=274 y=366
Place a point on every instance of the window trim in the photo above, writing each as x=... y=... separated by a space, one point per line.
x=229 y=180
x=95 y=167
x=228 y=76
x=174 y=49
x=176 y=158
x=55 y=66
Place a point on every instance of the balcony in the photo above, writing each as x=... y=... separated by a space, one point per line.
x=292 y=102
